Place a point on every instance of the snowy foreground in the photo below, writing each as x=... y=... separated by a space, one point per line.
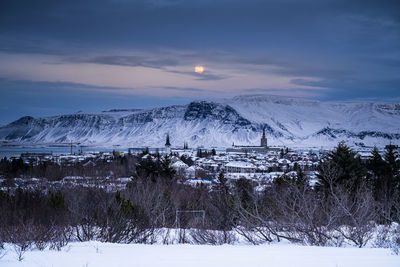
x=97 y=254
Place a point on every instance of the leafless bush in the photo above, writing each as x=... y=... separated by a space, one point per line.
x=354 y=210
x=86 y=206
x=153 y=200
x=20 y=249
x=357 y=213
x=291 y=211
x=41 y=235
x=303 y=214
x=3 y=252
x=20 y=244
x=135 y=215
x=383 y=236
x=20 y=235
x=212 y=237
x=61 y=236
x=85 y=231
x=182 y=236
x=165 y=235
x=395 y=240
x=250 y=235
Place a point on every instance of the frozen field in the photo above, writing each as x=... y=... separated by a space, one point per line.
x=98 y=254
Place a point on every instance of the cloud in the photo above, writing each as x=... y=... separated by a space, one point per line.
x=35 y=86
x=21 y=98
x=355 y=89
x=164 y=62
x=297 y=92
x=350 y=48
x=184 y=89
x=205 y=76
x=131 y=61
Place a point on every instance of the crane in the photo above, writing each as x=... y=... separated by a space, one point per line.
x=73 y=143
x=70 y=144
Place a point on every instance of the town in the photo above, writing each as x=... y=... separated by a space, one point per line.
x=113 y=170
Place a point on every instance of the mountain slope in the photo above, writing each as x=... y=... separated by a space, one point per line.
x=288 y=121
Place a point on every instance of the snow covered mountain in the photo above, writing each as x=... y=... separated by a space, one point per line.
x=288 y=121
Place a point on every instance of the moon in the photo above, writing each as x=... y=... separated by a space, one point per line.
x=199 y=69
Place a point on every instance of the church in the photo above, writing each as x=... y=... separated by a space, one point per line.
x=262 y=148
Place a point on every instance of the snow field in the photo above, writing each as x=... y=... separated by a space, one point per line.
x=89 y=254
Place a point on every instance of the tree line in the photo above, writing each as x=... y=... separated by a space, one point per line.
x=115 y=166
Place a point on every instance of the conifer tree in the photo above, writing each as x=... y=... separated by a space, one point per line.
x=347 y=167
x=167 y=171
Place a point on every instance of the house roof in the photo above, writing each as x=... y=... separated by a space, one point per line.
x=240 y=164
x=179 y=164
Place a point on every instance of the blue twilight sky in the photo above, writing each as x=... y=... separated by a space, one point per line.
x=70 y=55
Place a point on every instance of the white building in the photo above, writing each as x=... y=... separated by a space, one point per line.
x=240 y=167
x=179 y=165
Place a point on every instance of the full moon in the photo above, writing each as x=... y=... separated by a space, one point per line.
x=199 y=69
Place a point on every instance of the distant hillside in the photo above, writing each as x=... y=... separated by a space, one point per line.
x=288 y=121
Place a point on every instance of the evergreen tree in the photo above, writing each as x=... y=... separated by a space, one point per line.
x=145 y=152
x=377 y=172
x=281 y=153
x=376 y=164
x=244 y=192
x=166 y=170
x=346 y=166
x=147 y=168
x=391 y=159
x=187 y=160
x=387 y=182
x=222 y=185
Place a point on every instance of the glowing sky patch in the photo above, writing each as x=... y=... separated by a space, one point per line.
x=199 y=69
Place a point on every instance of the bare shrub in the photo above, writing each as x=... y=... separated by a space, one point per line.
x=41 y=235
x=182 y=236
x=357 y=213
x=125 y=222
x=86 y=206
x=20 y=249
x=354 y=209
x=395 y=242
x=250 y=235
x=212 y=237
x=20 y=237
x=383 y=237
x=3 y=252
x=165 y=235
x=61 y=236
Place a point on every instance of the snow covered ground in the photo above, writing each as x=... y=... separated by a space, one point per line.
x=98 y=254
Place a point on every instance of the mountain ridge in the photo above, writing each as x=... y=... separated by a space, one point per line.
x=288 y=121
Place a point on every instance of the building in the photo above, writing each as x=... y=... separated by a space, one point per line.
x=240 y=167
x=263 y=148
x=167 y=145
x=264 y=142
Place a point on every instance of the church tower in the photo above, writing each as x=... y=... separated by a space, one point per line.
x=264 y=139
x=167 y=145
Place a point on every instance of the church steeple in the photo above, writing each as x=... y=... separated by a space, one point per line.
x=264 y=142
x=167 y=143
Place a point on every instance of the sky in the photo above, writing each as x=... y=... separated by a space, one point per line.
x=67 y=56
